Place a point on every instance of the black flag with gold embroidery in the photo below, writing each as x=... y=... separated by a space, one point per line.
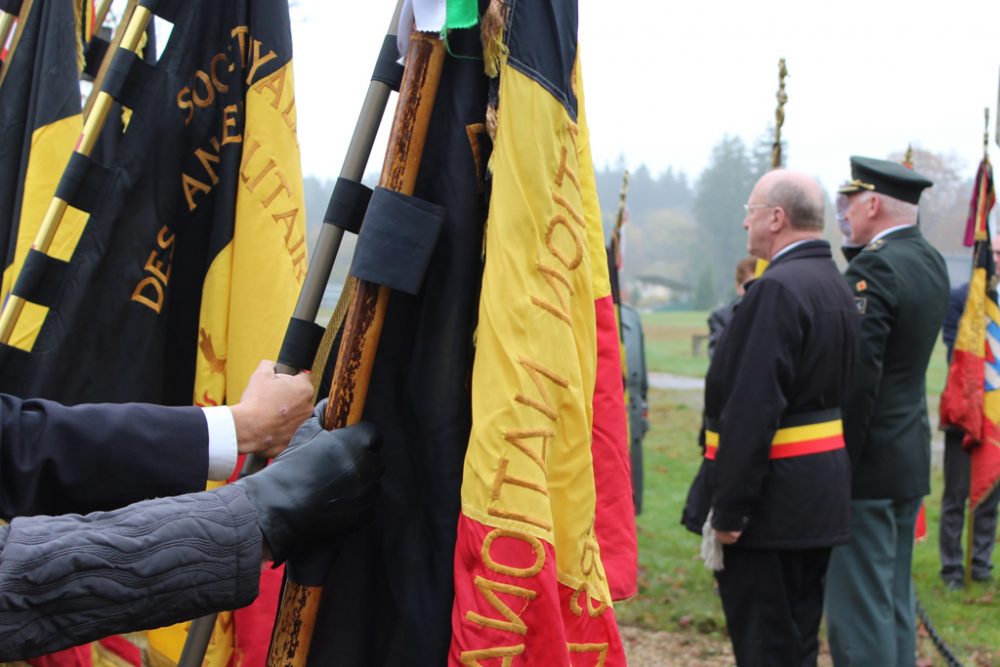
x=192 y=252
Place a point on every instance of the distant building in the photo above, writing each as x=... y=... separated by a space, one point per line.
x=652 y=291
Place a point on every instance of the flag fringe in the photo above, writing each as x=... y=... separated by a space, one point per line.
x=492 y=35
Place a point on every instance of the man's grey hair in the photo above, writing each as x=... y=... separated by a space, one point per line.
x=803 y=208
x=895 y=208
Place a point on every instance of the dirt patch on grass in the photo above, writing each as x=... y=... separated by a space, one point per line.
x=656 y=648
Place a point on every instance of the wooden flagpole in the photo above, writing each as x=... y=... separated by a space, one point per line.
x=299 y=604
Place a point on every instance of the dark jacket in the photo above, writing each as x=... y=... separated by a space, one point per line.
x=56 y=459
x=718 y=320
x=789 y=350
x=70 y=579
x=900 y=287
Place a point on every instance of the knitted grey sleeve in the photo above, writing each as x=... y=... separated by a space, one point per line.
x=70 y=579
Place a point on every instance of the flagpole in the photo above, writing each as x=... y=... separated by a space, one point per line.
x=616 y=234
x=117 y=40
x=979 y=247
x=296 y=620
x=85 y=146
x=101 y=14
x=779 y=115
x=7 y=25
x=324 y=254
x=776 y=157
x=358 y=152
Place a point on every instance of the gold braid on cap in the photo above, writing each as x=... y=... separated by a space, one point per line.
x=855 y=185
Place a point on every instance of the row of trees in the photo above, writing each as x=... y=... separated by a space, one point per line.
x=691 y=233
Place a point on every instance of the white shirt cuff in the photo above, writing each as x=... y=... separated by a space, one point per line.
x=222 y=450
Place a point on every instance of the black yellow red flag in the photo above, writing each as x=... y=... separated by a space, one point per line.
x=546 y=537
x=971 y=398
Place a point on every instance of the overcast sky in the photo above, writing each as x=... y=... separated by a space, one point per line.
x=665 y=80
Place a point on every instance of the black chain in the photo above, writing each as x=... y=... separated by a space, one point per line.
x=939 y=642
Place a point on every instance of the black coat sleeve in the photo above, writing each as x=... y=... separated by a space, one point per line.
x=874 y=285
x=56 y=459
x=763 y=341
x=66 y=580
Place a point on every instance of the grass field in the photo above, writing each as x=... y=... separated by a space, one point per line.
x=676 y=593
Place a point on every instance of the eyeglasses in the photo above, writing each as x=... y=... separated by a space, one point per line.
x=748 y=208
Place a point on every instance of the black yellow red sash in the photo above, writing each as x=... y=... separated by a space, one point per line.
x=798 y=439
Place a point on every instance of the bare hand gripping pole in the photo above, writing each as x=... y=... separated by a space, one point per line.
x=299 y=604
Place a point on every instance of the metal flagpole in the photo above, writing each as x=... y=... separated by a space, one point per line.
x=7 y=26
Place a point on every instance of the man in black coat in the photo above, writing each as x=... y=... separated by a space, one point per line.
x=900 y=287
x=776 y=475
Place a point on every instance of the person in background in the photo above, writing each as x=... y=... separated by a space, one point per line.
x=775 y=483
x=719 y=318
x=900 y=289
x=956 y=480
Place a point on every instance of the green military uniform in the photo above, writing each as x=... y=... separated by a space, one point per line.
x=900 y=287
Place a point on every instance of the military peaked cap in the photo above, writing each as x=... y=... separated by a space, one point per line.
x=886 y=177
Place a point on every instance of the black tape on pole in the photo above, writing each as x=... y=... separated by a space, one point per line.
x=127 y=77
x=348 y=204
x=42 y=279
x=11 y=6
x=97 y=48
x=387 y=69
x=302 y=338
x=82 y=183
x=397 y=240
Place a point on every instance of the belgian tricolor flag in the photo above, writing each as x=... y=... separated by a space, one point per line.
x=546 y=538
x=971 y=397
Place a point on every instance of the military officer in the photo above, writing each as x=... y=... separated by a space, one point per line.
x=900 y=288
x=776 y=475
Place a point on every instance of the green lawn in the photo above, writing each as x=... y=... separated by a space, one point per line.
x=669 y=342
x=676 y=592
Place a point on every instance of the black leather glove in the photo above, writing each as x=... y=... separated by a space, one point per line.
x=322 y=486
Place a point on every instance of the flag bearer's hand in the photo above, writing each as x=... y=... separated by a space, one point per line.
x=272 y=407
